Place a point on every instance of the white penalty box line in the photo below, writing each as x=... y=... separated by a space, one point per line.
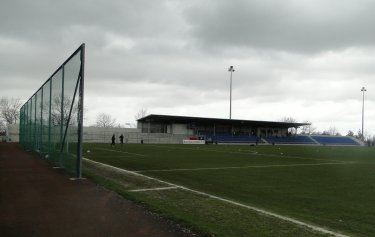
x=256 y=209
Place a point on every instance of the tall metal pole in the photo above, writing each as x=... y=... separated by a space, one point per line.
x=231 y=70
x=80 y=122
x=363 y=111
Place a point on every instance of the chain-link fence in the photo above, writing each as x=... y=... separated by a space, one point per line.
x=51 y=120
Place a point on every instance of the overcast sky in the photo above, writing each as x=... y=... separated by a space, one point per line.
x=306 y=59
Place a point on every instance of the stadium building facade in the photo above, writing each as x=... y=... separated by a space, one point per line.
x=214 y=127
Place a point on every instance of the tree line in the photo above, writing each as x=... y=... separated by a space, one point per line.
x=105 y=120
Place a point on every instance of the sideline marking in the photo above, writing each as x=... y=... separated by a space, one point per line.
x=152 y=189
x=103 y=149
x=120 y=156
x=256 y=209
x=240 y=167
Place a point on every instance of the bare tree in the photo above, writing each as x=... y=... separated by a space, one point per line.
x=66 y=106
x=141 y=113
x=359 y=134
x=312 y=129
x=350 y=133
x=2 y=126
x=316 y=133
x=308 y=129
x=289 y=120
x=104 y=120
x=332 y=131
x=10 y=110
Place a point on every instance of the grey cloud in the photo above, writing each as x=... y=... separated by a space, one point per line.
x=300 y=26
x=173 y=56
x=43 y=20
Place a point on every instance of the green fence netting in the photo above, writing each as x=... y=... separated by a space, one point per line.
x=51 y=120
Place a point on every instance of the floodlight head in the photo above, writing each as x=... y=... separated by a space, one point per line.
x=231 y=69
x=363 y=89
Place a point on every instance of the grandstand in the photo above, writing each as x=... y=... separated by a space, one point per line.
x=215 y=128
x=231 y=131
x=169 y=124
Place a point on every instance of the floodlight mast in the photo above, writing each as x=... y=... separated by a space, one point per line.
x=363 y=111
x=231 y=70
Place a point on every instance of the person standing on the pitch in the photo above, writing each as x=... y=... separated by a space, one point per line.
x=113 y=140
x=121 y=139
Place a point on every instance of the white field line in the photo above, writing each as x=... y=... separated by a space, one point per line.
x=152 y=189
x=240 y=167
x=249 y=153
x=261 y=211
x=124 y=152
x=122 y=156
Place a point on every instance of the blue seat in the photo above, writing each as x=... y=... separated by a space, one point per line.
x=290 y=140
x=337 y=140
x=227 y=138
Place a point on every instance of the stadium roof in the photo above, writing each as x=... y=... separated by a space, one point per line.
x=201 y=120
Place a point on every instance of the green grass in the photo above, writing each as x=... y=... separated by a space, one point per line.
x=332 y=187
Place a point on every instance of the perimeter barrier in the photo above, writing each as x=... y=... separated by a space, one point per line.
x=51 y=121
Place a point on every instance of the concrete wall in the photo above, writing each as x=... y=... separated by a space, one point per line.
x=181 y=129
x=104 y=135
x=90 y=134
x=13 y=131
x=162 y=138
x=131 y=135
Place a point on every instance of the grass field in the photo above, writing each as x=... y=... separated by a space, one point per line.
x=328 y=187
